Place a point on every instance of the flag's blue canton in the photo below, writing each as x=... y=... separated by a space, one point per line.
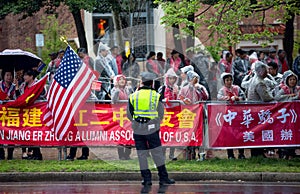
x=68 y=68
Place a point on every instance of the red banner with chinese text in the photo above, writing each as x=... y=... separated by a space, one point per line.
x=98 y=125
x=253 y=125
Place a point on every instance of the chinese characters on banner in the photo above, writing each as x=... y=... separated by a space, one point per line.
x=253 y=125
x=98 y=125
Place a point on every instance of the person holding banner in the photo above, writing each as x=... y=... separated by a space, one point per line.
x=7 y=92
x=169 y=91
x=29 y=80
x=258 y=91
x=7 y=87
x=288 y=90
x=183 y=74
x=146 y=111
x=231 y=93
x=193 y=92
x=121 y=91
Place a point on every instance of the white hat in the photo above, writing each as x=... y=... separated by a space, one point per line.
x=253 y=56
x=185 y=69
x=103 y=47
x=191 y=75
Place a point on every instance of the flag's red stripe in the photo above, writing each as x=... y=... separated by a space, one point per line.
x=80 y=93
x=67 y=107
x=65 y=103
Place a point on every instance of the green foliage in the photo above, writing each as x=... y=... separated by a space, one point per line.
x=214 y=52
x=52 y=31
x=29 y=7
x=296 y=44
x=81 y=4
x=223 y=17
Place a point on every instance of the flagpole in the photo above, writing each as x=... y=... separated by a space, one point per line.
x=64 y=39
x=64 y=149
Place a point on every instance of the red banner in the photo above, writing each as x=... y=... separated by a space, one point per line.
x=253 y=125
x=98 y=125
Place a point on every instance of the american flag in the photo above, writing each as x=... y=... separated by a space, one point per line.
x=69 y=90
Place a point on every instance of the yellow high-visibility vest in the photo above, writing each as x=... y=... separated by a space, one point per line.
x=145 y=103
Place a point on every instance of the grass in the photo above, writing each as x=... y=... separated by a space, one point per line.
x=212 y=165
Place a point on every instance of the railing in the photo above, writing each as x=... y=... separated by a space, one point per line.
x=217 y=125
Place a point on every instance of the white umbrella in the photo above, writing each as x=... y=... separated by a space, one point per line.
x=17 y=59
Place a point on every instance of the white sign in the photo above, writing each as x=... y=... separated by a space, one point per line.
x=39 y=40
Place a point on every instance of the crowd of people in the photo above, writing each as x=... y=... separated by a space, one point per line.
x=244 y=75
x=261 y=78
x=11 y=88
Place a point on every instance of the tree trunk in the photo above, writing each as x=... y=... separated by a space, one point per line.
x=80 y=28
x=288 y=40
x=177 y=42
x=190 y=41
x=118 y=29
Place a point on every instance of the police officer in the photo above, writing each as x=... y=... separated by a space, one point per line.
x=145 y=111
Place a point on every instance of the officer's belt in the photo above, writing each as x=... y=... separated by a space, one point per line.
x=142 y=119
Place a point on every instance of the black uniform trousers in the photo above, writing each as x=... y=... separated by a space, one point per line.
x=144 y=144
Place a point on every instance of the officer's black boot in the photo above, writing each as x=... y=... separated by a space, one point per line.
x=147 y=178
x=163 y=176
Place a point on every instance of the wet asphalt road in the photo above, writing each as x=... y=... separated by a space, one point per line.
x=135 y=187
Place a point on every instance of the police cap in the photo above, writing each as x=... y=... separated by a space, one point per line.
x=147 y=76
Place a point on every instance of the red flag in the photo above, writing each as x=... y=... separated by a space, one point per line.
x=31 y=94
x=96 y=85
x=69 y=90
x=3 y=96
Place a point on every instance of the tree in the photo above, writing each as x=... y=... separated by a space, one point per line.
x=223 y=19
x=52 y=32
x=28 y=8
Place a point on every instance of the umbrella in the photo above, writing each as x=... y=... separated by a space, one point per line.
x=17 y=59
